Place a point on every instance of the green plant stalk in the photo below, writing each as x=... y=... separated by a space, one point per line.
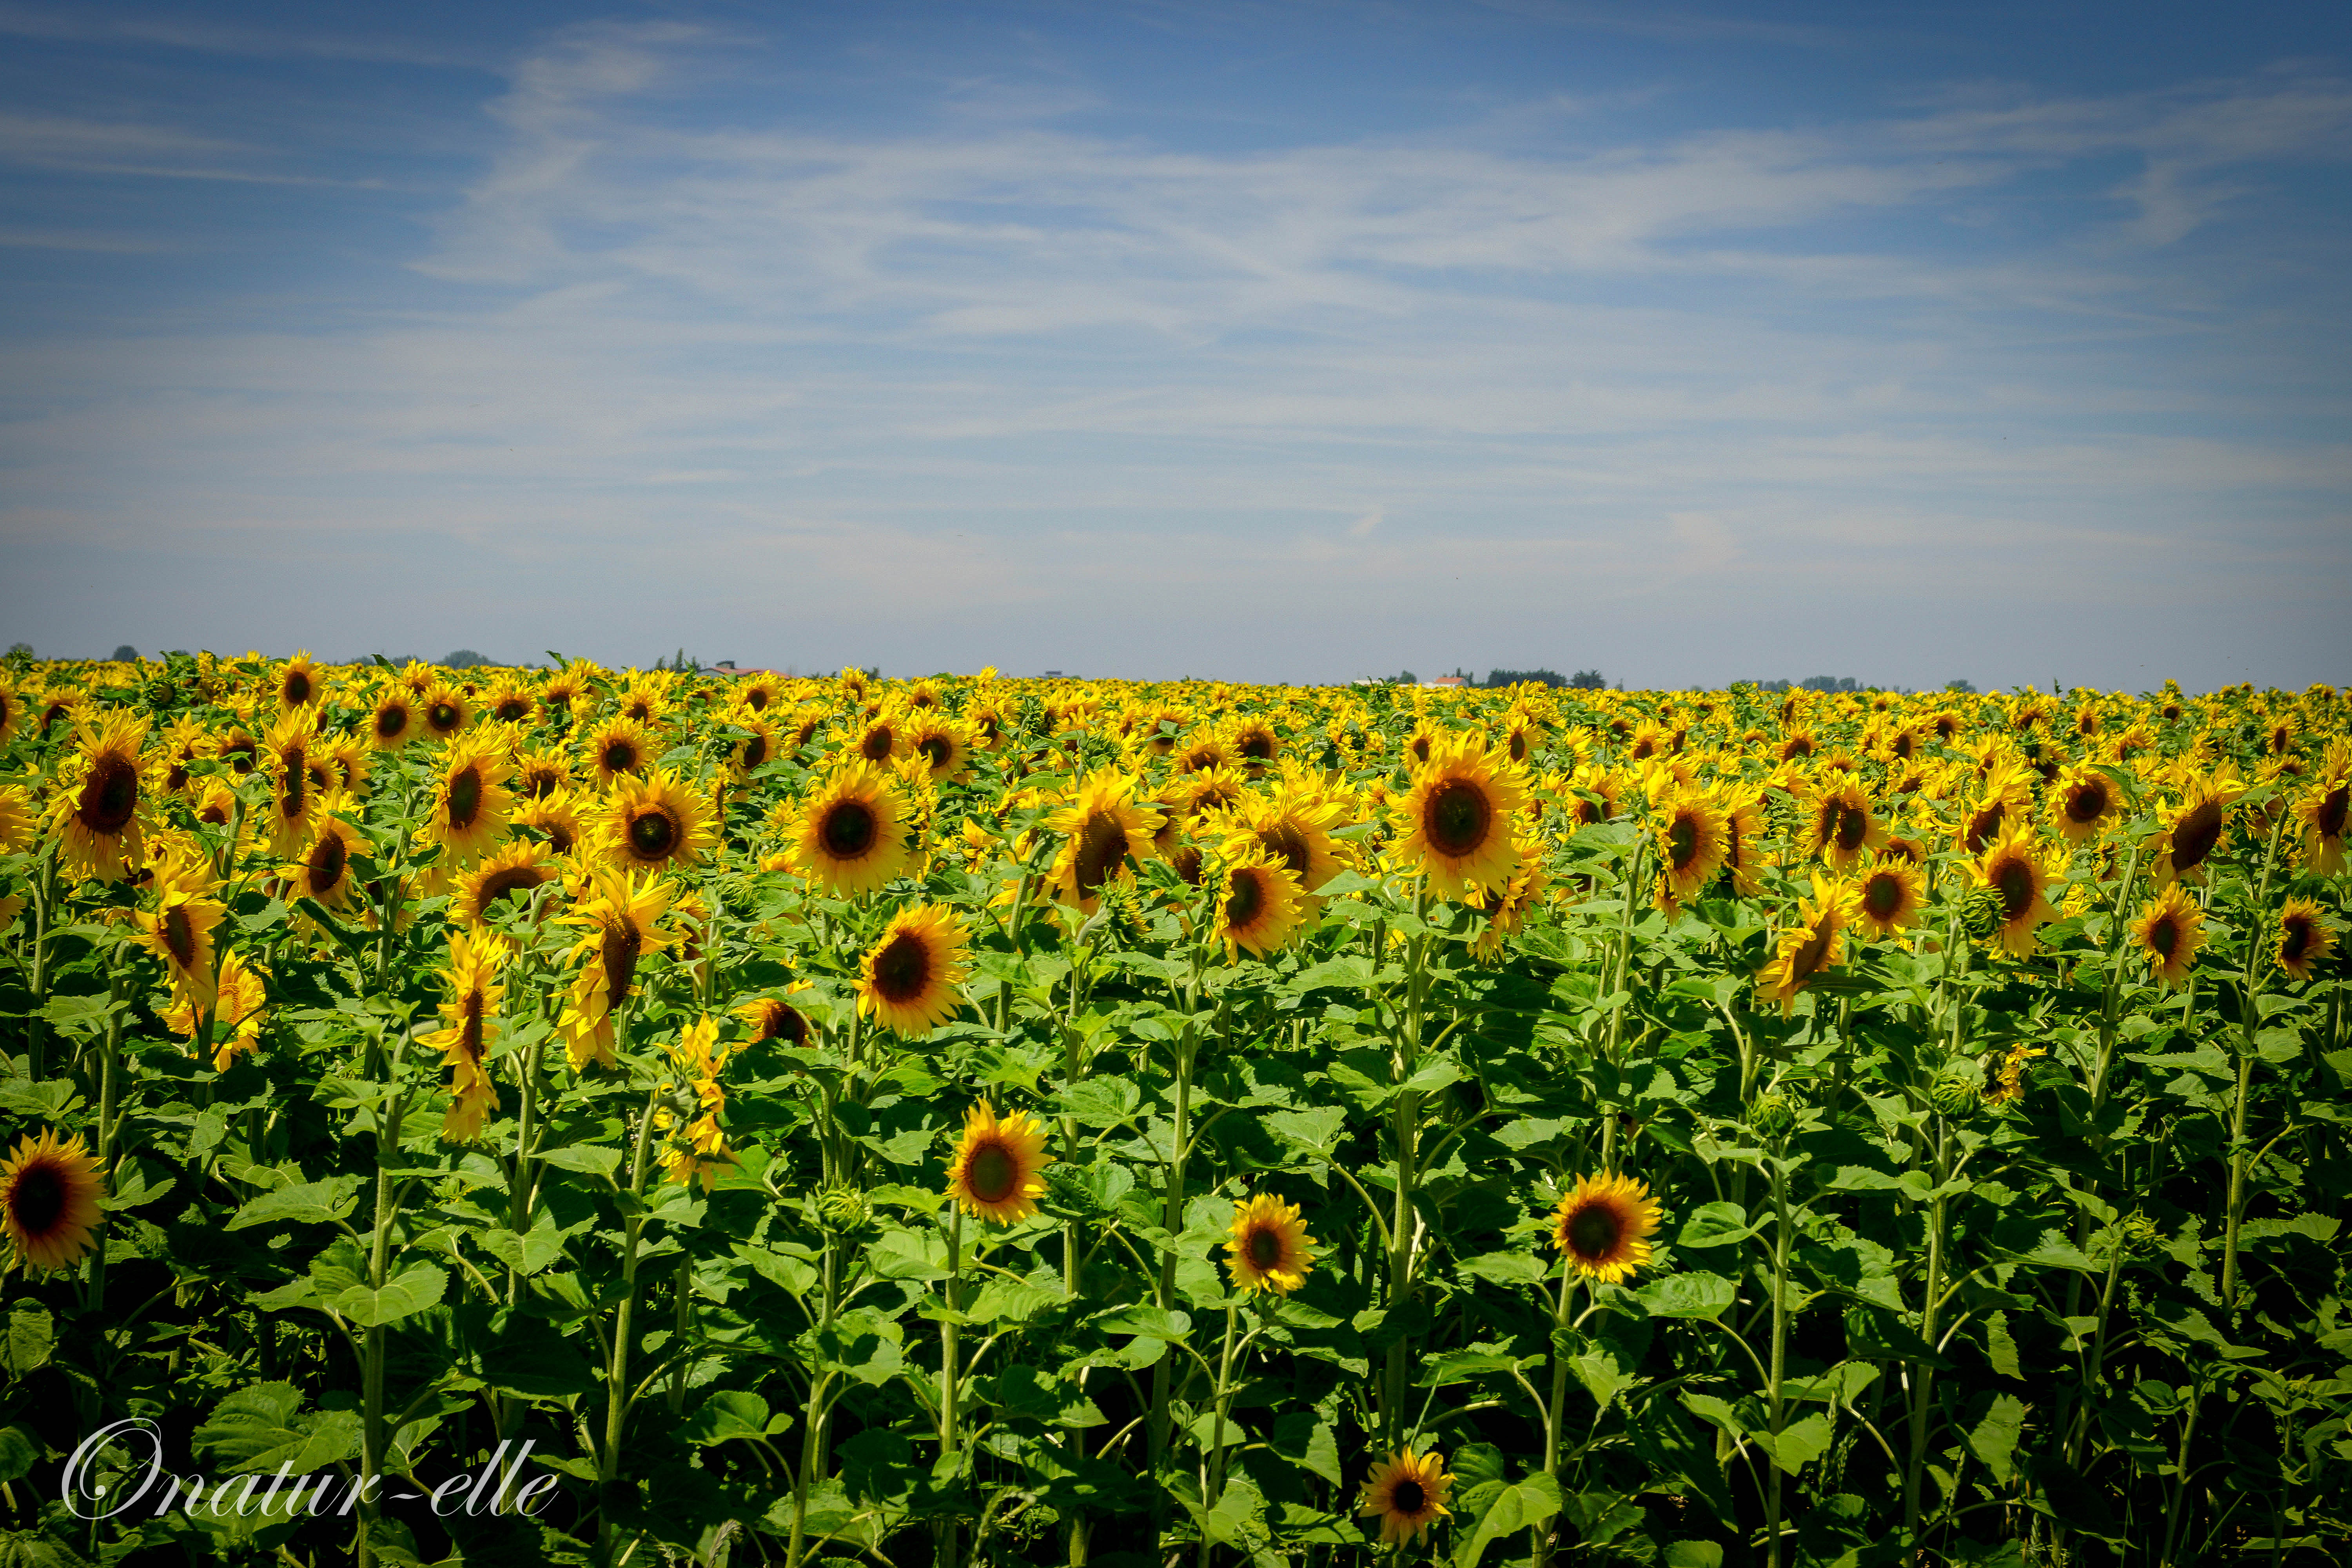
x=1541 y=1536
x=617 y=1376
x=45 y=893
x=109 y=1070
x=813 y=1415
x=2180 y=1481
x=1216 y=1465
x=1924 y=1377
x=1405 y=1134
x=374 y=1438
x=1781 y=1357
x=948 y=1392
x=2251 y=1017
x=1171 y=1220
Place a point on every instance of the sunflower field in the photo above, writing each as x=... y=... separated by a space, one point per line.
x=570 y=1116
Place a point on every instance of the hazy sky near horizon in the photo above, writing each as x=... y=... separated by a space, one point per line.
x=1283 y=341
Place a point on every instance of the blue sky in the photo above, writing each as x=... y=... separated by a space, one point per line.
x=1257 y=341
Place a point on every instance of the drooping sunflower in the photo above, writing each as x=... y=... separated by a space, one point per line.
x=324 y=871
x=470 y=802
x=2016 y=876
x=1743 y=835
x=395 y=722
x=347 y=762
x=2303 y=939
x=2083 y=803
x=300 y=684
x=2169 y=931
x=997 y=1172
x=180 y=933
x=849 y=833
x=1816 y=942
x=2192 y=830
x=444 y=711
x=620 y=925
x=1201 y=751
x=656 y=824
x=1258 y=904
x=294 y=798
x=2009 y=1083
x=1106 y=826
x=2324 y=810
x=1459 y=815
x=1889 y=892
x=912 y=976
x=1996 y=809
x=1507 y=909
x=1837 y=824
x=1603 y=1227
x=616 y=747
x=1407 y=1492
x=703 y=1152
x=1693 y=840
x=773 y=1018
x=99 y=807
x=235 y=1012
x=470 y=1017
x=50 y=1190
x=1267 y=1248
x=559 y=694
x=754 y=750
x=508 y=876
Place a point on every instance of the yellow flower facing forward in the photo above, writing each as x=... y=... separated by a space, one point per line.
x=1258 y=905
x=99 y=807
x=1407 y=1493
x=300 y=684
x=1459 y=814
x=1693 y=838
x=1255 y=745
x=470 y=1028
x=510 y=877
x=1888 y=895
x=48 y=1199
x=394 y=721
x=616 y=747
x=470 y=804
x=943 y=743
x=1268 y=1247
x=538 y=774
x=1105 y=826
x=180 y=933
x=997 y=1172
x=324 y=871
x=620 y=925
x=559 y=816
x=2084 y=802
x=912 y=978
x=236 y=1008
x=1603 y=1227
x=293 y=803
x=849 y=836
x=1816 y=942
x=2018 y=876
x=1837 y=823
x=2192 y=829
x=2303 y=939
x=2169 y=931
x=444 y=711
x=655 y=825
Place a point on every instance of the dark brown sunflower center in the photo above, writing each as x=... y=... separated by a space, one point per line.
x=470 y=1034
x=1101 y=848
x=216 y=815
x=513 y=710
x=37 y=1199
x=442 y=715
x=508 y=883
x=2086 y=802
x=295 y=780
x=1257 y=745
x=902 y=969
x=1264 y=1247
x=1244 y=897
x=937 y=750
x=392 y=721
x=556 y=697
x=653 y=833
x=558 y=836
x=783 y=1021
x=1798 y=746
x=756 y=699
x=2164 y=936
x=2013 y=879
x=1458 y=819
x=298 y=688
x=1853 y=826
x=619 y=757
x=1408 y=1497
x=1906 y=745
x=876 y=745
x=465 y=796
x=992 y=1172
x=180 y=935
x=640 y=711
x=1681 y=841
x=848 y=829
x=2199 y=829
x=1807 y=961
x=755 y=750
x=623 y=942
x=1519 y=746
x=2334 y=807
x=1187 y=861
x=1418 y=748
x=111 y=795
x=2294 y=939
x=1882 y=896
x=325 y=867
x=541 y=782
x=1984 y=823
x=1593 y=1230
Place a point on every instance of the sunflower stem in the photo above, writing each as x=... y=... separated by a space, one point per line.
x=1216 y=1465
x=2251 y=1023
x=616 y=1377
x=1172 y=1220
x=1779 y=1358
x=1540 y=1536
x=947 y=1537
x=1922 y=1376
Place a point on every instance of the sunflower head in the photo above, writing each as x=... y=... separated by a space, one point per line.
x=1459 y=814
x=2016 y=877
x=850 y=833
x=1889 y=892
x=912 y=976
x=996 y=1171
x=1603 y=1227
x=656 y=824
x=2303 y=939
x=470 y=802
x=1107 y=827
x=1407 y=1493
x=1814 y=944
x=101 y=804
x=1258 y=904
x=2169 y=931
x=48 y=1200
x=1267 y=1248
x=1693 y=840
x=773 y=1018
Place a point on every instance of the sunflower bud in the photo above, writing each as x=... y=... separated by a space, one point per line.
x=1775 y=1115
x=843 y=1208
x=1956 y=1093
x=1980 y=912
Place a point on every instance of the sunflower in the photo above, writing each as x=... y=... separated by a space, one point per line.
x=510 y=877
x=911 y=976
x=2324 y=811
x=559 y=816
x=879 y=739
x=1837 y=824
x=1460 y=813
x=2169 y=930
x=849 y=834
x=18 y=819
x=470 y=804
x=944 y=746
x=643 y=700
x=300 y=684
x=620 y=925
x=655 y=824
x=1259 y=905
x=1106 y=826
x=1198 y=752
x=1255 y=741
x=294 y=798
x=758 y=694
x=2192 y=830
x=509 y=701
x=1888 y=894
x=324 y=871
x=1269 y=1248
x=1817 y=941
x=1295 y=826
x=756 y=749
x=1507 y=908
x=1603 y=1227
x=772 y=1018
x=1210 y=790
x=2083 y=802
x=2008 y=1084
x=236 y=1013
x=445 y=712
x=1408 y=1494
x=698 y=1057
x=1998 y=809
x=11 y=715
x=49 y=1192
x=1694 y=837
x=616 y=747
x=2303 y=938
x=394 y=721
x=997 y=1172
x=2015 y=876
x=469 y=1016
x=99 y=807
x=180 y=933
x=538 y=774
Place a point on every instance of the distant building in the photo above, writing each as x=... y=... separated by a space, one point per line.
x=1445 y=680
x=1053 y=675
